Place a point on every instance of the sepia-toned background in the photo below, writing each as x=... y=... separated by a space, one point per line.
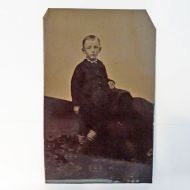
x=128 y=48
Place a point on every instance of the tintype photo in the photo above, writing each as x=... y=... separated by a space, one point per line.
x=99 y=81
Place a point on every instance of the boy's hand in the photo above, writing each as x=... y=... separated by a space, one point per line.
x=91 y=135
x=111 y=84
x=76 y=109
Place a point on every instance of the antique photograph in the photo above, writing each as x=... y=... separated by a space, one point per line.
x=99 y=96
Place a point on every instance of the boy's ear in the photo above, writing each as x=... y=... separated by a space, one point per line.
x=100 y=48
x=83 y=50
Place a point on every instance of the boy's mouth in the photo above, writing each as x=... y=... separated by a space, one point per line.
x=91 y=57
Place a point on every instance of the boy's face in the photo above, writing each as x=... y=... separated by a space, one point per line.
x=91 y=49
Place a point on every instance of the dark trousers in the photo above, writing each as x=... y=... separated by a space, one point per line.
x=95 y=116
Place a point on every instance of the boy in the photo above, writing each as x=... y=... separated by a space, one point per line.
x=92 y=91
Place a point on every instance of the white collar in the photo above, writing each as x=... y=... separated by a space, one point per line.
x=95 y=61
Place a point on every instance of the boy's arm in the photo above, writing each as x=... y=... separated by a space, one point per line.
x=108 y=79
x=110 y=82
x=76 y=85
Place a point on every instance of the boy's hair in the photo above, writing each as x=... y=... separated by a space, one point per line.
x=92 y=37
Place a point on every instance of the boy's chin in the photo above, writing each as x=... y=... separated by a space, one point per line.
x=92 y=58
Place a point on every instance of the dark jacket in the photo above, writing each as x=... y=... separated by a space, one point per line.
x=89 y=84
x=90 y=91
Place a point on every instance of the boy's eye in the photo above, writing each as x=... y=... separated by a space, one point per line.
x=95 y=47
x=88 y=47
